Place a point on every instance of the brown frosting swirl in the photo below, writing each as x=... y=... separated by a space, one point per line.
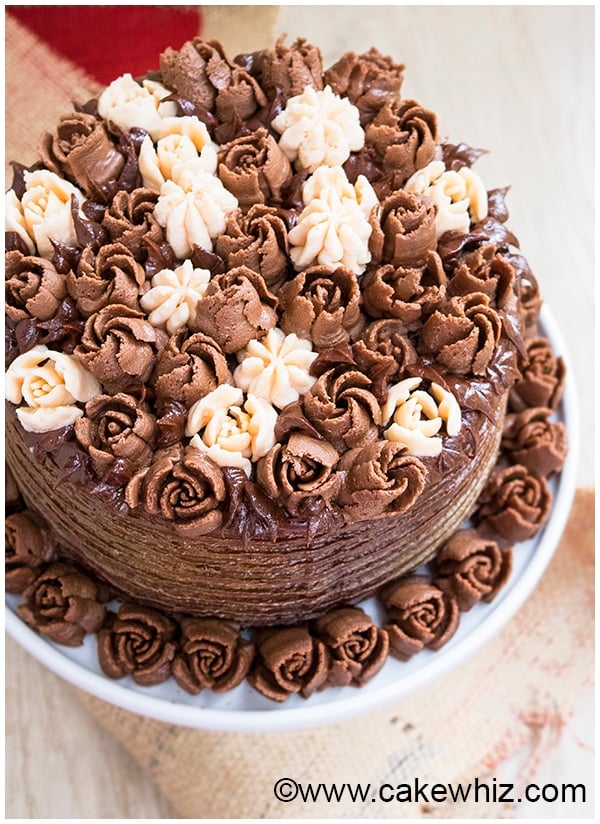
x=119 y=347
x=139 y=642
x=288 y=70
x=389 y=338
x=515 y=504
x=369 y=80
x=542 y=379
x=62 y=604
x=33 y=288
x=533 y=441
x=82 y=150
x=27 y=546
x=342 y=408
x=464 y=334
x=211 y=655
x=409 y=293
x=380 y=478
x=184 y=486
x=117 y=428
x=257 y=240
x=236 y=308
x=323 y=305
x=406 y=230
x=472 y=568
x=188 y=368
x=130 y=220
x=254 y=169
x=111 y=276
x=300 y=471
x=486 y=271
x=421 y=615
x=289 y=660
x=358 y=648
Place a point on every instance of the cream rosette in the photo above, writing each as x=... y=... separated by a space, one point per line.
x=43 y=213
x=460 y=197
x=333 y=229
x=193 y=210
x=50 y=384
x=418 y=416
x=183 y=142
x=230 y=431
x=276 y=367
x=319 y=128
x=132 y=105
x=174 y=295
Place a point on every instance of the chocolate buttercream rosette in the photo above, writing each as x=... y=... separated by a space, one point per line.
x=272 y=304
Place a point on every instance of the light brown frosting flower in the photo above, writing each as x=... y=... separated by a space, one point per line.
x=28 y=545
x=62 y=604
x=139 y=642
x=421 y=615
x=119 y=347
x=254 y=169
x=287 y=70
x=257 y=240
x=543 y=378
x=117 y=427
x=472 y=568
x=533 y=441
x=343 y=408
x=212 y=655
x=33 y=287
x=390 y=338
x=82 y=150
x=515 y=503
x=188 y=368
x=289 y=660
x=183 y=486
x=409 y=293
x=358 y=648
x=464 y=335
x=380 y=478
x=130 y=220
x=484 y=270
x=323 y=305
x=300 y=469
x=407 y=230
x=111 y=276
x=237 y=307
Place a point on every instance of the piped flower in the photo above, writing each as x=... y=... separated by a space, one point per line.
x=417 y=416
x=182 y=142
x=174 y=295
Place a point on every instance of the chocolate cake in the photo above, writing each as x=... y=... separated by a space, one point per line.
x=271 y=350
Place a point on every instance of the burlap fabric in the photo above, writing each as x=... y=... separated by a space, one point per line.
x=514 y=696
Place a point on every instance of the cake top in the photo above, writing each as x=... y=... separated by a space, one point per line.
x=259 y=295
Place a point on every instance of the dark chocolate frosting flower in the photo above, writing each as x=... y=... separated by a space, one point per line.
x=236 y=308
x=409 y=293
x=257 y=240
x=111 y=276
x=514 y=504
x=464 y=334
x=323 y=305
x=380 y=478
x=117 y=428
x=287 y=70
x=358 y=648
x=420 y=615
x=28 y=545
x=289 y=660
x=183 y=486
x=212 y=654
x=484 y=270
x=406 y=232
x=82 y=150
x=188 y=368
x=130 y=220
x=139 y=642
x=63 y=605
x=533 y=441
x=119 y=347
x=542 y=380
x=472 y=568
x=254 y=169
x=33 y=288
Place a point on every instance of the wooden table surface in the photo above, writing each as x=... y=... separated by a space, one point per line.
x=515 y=80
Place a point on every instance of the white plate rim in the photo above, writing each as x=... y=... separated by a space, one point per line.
x=352 y=701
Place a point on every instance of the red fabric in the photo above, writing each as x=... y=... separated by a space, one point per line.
x=107 y=41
